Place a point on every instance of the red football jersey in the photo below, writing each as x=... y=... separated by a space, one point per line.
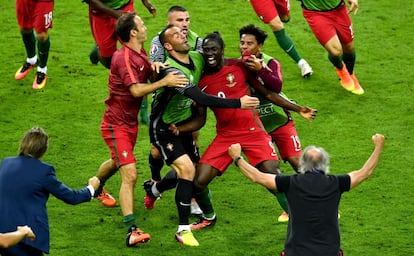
x=230 y=82
x=128 y=67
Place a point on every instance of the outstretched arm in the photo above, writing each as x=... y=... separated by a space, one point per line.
x=205 y=99
x=357 y=177
x=265 y=179
x=305 y=112
x=308 y=113
x=103 y=8
x=12 y=238
x=353 y=6
x=149 y=7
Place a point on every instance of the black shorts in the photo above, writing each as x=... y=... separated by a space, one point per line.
x=171 y=146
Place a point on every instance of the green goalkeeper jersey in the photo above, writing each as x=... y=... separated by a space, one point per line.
x=171 y=103
x=321 y=5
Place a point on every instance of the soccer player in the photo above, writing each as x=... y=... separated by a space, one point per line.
x=332 y=26
x=275 y=13
x=231 y=125
x=37 y=16
x=277 y=121
x=177 y=16
x=130 y=71
x=102 y=17
x=174 y=106
x=180 y=17
x=313 y=197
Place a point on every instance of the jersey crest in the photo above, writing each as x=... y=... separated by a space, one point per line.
x=230 y=80
x=154 y=49
x=170 y=147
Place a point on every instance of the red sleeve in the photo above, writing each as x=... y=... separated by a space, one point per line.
x=232 y=61
x=272 y=78
x=127 y=72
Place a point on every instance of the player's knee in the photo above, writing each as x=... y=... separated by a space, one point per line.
x=155 y=153
x=285 y=18
x=106 y=61
x=172 y=175
x=269 y=166
x=276 y=24
x=349 y=48
x=42 y=36
x=294 y=162
x=129 y=174
x=199 y=185
x=26 y=31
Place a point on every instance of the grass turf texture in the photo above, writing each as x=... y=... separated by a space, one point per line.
x=376 y=218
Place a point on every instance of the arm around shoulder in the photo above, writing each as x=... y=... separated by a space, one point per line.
x=357 y=177
x=172 y=79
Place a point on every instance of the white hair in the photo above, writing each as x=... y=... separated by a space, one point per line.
x=314 y=159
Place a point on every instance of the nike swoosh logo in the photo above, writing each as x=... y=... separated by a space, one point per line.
x=141 y=68
x=183 y=204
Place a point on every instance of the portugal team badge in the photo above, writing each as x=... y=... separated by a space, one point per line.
x=230 y=79
x=170 y=147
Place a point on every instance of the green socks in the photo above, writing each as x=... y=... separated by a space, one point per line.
x=204 y=201
x=129 y=221
x=281 y=198
x=43 y=47
x=349 y=60
x=43 y=50
x=94 y=55
x=287 y=44
x=29 y=41
x=336 y=61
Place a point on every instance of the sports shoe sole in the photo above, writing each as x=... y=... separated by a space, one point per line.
x=180 y=239
x=21 y=75
x=37 y=86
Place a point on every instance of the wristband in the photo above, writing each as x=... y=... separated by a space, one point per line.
x=236 y=161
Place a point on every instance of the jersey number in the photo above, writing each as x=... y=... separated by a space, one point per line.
x=48 y=19
x=296 y=143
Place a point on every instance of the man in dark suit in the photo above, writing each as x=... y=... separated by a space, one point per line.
x=25 y=185
x=12 y=238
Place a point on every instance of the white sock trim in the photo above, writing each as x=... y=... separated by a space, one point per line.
x=32 y=60
x=155 y=191
x=43 y=70
x=183 y=227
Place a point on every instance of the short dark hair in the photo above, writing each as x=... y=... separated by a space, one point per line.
x=176 y=8
x=163 y=38
x=124 y=25
x=216 y=37
x=251 y=29
x=34 y=143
